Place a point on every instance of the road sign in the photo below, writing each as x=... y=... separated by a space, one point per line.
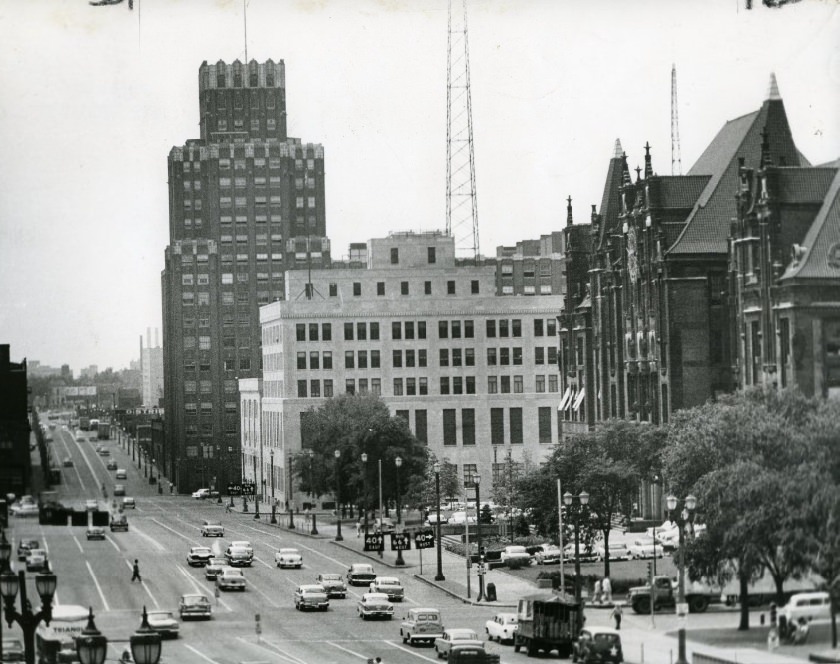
x=424 y=539
x=257 y=623
x=374 y=542
x=246 y=489
x=400 y=542
x=234 y=489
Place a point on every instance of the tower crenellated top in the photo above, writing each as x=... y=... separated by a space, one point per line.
x=268 y=74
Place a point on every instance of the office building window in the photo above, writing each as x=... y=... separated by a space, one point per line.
x=313 y=331
x=395 y=256
x=348 y=331
x=409 y=358
x=538 y=327
x=363 y=359
x=457 y=385
x=474 y=287
x=314 y=360
x=361 y=331
x=444 y=385
x=456 y=329
x=551 y=328
x=517 y=355
x=450 y=288
x=544 y=424
x=357 y=288
x=504 y=356
x=421 y=329
x=503 y=328
x=411 y=387
x=492 y=384
x=427 y=287
x=517 y=385
x=421 y=357
x=443 y=329
x=449 y=427
x=430 y=252
x=374 y=331
x=380 y=288
x=423 y=386
x=539 y=355
x=396 y=330
x=552 y=355
x=374 y=359
x=398 y=387
x=314 y=388
x=301 y=360
x=468 y=426
x=456 y=357
x=505 y=384
x=328 y=388
x=469 y=329
x=491 y=328
x=396 y=359
x=350 y=386
x=326 y=331
x=421 y=431
x=469 y=357
x=552 y=384
x=333 y=290
x=349 y=359
x=516 y=327
x=403 y=288
x=444 y=357
x=409 y=329
x=376 y=386
x=539 y=385
x=516 y=426
x=497 y=426
x=301 y=389
x=470 y=384
x=327 y=357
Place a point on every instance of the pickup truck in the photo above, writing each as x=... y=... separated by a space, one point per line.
x=698 y=596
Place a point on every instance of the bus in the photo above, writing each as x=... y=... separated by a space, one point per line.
x=56 y=642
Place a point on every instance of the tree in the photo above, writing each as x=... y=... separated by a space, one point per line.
x=356 y=424
x=421 y=489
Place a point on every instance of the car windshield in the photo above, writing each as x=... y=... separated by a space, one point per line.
x=160 y=615
x=238 y=550
x=202 y=549
x=288 y=551
x=37 y=552
x=462 y=635
x=362 y=569
x=195 y=599
x=233 y=572
x=331 y=577
x=388 y=581
x=607 y=638
x=376 y=597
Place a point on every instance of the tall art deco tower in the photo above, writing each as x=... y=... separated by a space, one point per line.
x=246 y=203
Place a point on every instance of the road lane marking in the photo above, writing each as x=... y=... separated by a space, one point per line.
x=274 y=649
x=67 y=450
x=113 y=543
x=98 y=587
x=78 y=543
x=176 y=532
x=410 y=650
x=347 y=650
x=157 y=544
x=200 y=654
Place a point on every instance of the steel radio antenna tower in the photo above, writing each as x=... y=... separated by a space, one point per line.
x=461 y=205
x=676 y=160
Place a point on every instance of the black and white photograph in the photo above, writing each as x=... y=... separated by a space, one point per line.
x=483 y=329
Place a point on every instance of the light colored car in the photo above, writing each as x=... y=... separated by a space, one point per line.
x=617 y=552
x=195 y=605
x=119 y=522
x=456 y=637
x=212 y=529
x=375 y=605
x=238 y=556
x=13 y=650
x=311 y=596
x=288 y=558
x=388 y=585
x=421 y=625
x=432 y=519
x=460 y=518
x=95 y=533
x=121 y=474
x=36 y=559
x=25 y=546
x=214 y=567
x=119 y=490
x=229 y=578
x=586 y=555
x=198 y=556
x=383 y=525
x=243 y=544
x=502 y=627
x=104 y=451
x=333 y=584
x=810 y=606
x=25 y=510
x=550 y=554
x=164 y=623
x=91 y=505
x=360 y=574
x=201 y=494
x=129 y=502
x=645 y=547
x=598 y=644
x=515 y=556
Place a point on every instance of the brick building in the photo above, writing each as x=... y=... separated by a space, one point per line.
x=15 y=461
x=246 y=204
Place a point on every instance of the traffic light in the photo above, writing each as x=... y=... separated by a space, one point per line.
x=650 y=571
x=773 y=613
x=481 y=551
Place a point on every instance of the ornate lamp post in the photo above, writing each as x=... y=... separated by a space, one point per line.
x=145 y=643
x=273 y=502
x=477 y=482
x=9 y=585
x=311 y=454
x=289 y=496
x=439 y=576
x=364 y=490
x=398 y=463
x=682 y=518
x=257 y=491
x=338 y=537
x=579 y=503
x=91 y=645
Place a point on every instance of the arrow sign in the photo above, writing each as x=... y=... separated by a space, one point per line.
x=424 y=539
x=234 y=489
x=400 y=542
x=374 y=542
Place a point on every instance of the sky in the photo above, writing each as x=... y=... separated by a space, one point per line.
x=92 y=99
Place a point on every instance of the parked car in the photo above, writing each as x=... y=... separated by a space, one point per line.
x=288 y=558
x=586 y=555
x=375 y=605
x=617 y=552
x=461 y=518
x=199 y=556
x=432 y=519
x=229 y=578
x=452 y=637
x=388 y=585
x=502 y=627
x=421 y=625
x=128 y=502
x=25 y=546
x=238 y=556
x=95 y=533
x=644 y=547
x=383 y=525
x=811 y=606
x=13 y=650
x=515 y=556
x=119 y=522
x=119 y=490
x=214 y=567
x=195 y=605
x=23 y=510
x=360 y=574
x=164 y=623
x=201 y=494
x=311 y=596
x=212 y=529
x=121 y=474
x=598 y=644
x=550 y=554
x=36 y=559
x=333 y=584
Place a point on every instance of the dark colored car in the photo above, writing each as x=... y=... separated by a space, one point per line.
x=598 y=644
x=360 y=574
x=12 y=650
x=24 y=546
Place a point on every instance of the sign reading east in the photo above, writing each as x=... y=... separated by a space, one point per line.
x=374 y=542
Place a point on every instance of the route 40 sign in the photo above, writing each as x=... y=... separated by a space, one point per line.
x=374 y=542
x=424 y=539
x=400 y=542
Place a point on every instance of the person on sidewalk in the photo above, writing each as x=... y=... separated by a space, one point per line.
x=596 y=593
x=135 y=572
x=359 y=528
x=606 y=590
x=616 y=615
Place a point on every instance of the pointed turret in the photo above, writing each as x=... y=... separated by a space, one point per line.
x=773 y=89
x=569 y=220
x=765 y=149
x=625 y=171
x=638 y=170
x=648 y=167
x=618 y=151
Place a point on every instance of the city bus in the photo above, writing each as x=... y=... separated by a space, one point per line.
x=56 y=642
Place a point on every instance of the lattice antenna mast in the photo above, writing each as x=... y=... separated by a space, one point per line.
x=461 y=204
x=676 y=160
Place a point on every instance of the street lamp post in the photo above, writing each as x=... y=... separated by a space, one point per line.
x=257 y=492
x=364 y=492
x=338 y=537
x=682 y=518
x=289 y=496
x=145 y=643
x=439 y=576
x=477 y=482
x=91 y=645
x=28 y=620
x=398 y=463
x=310 y=453
x=273 y=502
x=579 y=502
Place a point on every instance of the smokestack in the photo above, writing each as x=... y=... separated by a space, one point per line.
x=157 y=341
x=148 y=337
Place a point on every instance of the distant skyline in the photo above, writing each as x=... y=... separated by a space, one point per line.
x=94 y=98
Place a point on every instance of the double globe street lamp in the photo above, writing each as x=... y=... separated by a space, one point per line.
x=576 y=504
x=92 y=645
x=338 y=537
x=399 y=561
x=682 y=517
x=10 y=584
x=439 y=576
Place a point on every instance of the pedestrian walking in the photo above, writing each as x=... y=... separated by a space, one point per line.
x=606 y=590
x=616 y=615
x=596 y=593
x=135 y=572
x=359 y=528
x=227 y=508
